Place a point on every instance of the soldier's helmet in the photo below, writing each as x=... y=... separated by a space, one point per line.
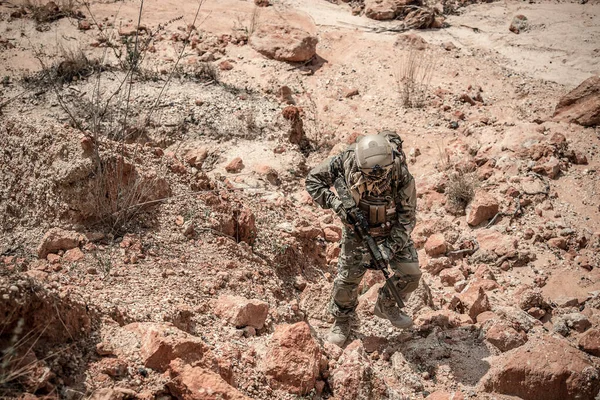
x=374 y=156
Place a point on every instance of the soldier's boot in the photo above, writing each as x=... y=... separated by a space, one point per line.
x=339 y=332
x=394 y=314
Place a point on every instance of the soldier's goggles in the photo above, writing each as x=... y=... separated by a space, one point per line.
x=377 y=171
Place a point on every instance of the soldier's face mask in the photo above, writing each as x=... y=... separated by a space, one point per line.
x=377 y=172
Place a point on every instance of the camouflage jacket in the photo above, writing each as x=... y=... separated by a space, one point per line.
x=321 y=179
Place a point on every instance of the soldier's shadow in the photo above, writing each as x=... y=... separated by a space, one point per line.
x=459 y=353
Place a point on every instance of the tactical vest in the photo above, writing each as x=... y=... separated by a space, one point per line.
x=381 y=210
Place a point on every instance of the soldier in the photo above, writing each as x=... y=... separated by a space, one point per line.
x=374 y=171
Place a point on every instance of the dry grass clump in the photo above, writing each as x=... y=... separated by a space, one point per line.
x=74 y=65
x=460 y=189
x=413 y=78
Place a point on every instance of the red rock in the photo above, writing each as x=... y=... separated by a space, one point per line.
x=492 y=240
x=293 y=359
x=114 y=367
x=582 y=104
x=73 y=255
x=241 y=312
x=268 y=172
x=196 y=157
x=435 y=245
x=558 y=243
x=548 y=369
x=590 y=342
x=332 y=233
x=472 y=301
x=354 y=378
x=505 y=337
x=350 y=92
x=485 y=316
x=58 y=239
x=283 y=42
x=53 y=258
x=551 y=168
x=435 y=265
x=235 y=166
x=196 y=383
x=450 y=276
x=443 y=395
x=483 y=207
x=246 y=230
x=225 y=65
x=445 y=319
x=161 y=343
x=307 y=232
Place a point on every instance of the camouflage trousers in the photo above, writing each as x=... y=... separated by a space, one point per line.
x=353 y=256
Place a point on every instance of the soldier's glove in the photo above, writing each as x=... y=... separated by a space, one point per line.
x=338 y=208
x=386 y=252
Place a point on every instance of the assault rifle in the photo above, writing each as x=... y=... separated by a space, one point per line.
x=360 y=225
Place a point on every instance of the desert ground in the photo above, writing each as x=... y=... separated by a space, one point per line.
x=157 y=241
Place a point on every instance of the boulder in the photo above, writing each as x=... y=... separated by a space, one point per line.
x=548 y=369
x=161 y=343
x=590 y=342
x=435 y=245
x=197 y=383
x=483 y=207
x=473 y=301
x=242 y=312
x=354 y=377
x=282 y=42
x=582 y=104
x=58 y=239
x=293 y=358
x=505 y=337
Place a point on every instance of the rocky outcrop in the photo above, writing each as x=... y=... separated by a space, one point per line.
x=241 y=312
x=582 y=104
x=550 y=369
x=293 y=359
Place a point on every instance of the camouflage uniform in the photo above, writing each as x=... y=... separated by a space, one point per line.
x=398 y=200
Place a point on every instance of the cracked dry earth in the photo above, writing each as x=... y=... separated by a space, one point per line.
x=157 y=242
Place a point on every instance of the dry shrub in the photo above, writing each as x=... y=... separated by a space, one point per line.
x=414 y=76
x=121 y=192
x=460 y=189
x=75 y=65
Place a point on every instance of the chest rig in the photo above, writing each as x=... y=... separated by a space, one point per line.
x=380 y=213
